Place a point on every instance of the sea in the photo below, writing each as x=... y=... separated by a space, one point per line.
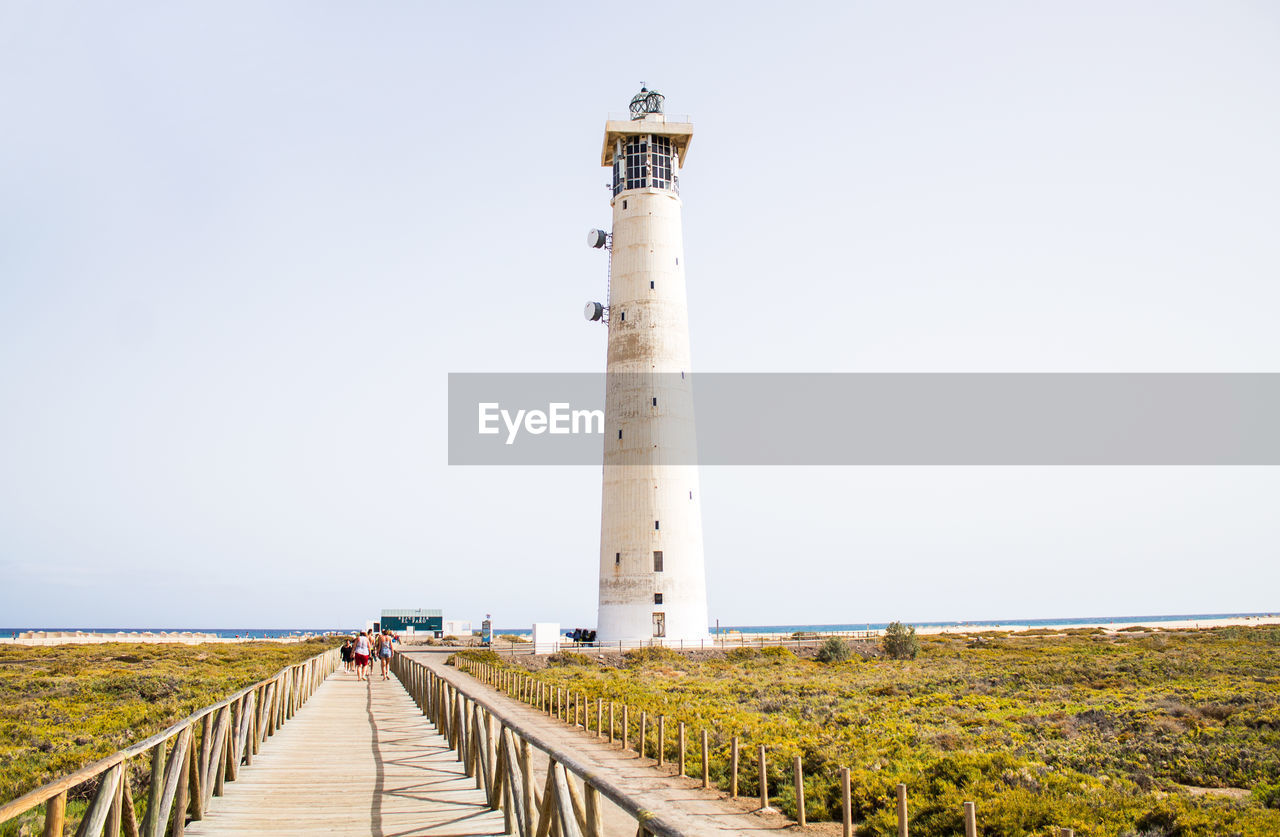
x=268 y=633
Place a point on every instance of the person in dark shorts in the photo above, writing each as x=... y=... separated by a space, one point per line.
x=348 y=663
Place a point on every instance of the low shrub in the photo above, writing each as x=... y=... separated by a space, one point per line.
x=569 y=658
x=483 y=655
x=650 y=655
x=1268 y=795
x=833 y=650
x=900 y=641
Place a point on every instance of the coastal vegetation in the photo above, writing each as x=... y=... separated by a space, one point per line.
x=900 y=641
x=1141 y=733
x=65 y=706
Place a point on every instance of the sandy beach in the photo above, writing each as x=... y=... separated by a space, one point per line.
x=1182 y=625
x=42 y=638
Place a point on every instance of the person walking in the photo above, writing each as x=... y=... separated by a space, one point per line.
x=384 y=652
x=361 y=650
x=348 y=656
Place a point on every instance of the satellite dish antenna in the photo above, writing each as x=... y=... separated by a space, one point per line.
x=593 y=312
x=597 y=239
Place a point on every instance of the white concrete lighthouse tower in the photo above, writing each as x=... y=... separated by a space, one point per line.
x=652 y=577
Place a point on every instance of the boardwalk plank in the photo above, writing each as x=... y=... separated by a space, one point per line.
x=357 y=759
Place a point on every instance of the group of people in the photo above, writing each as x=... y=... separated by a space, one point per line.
x=365 y=646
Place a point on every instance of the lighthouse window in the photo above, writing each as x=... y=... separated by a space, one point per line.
x=662 y=162
x=657 y=560
x=650 y=285
x=655 y=524
x=657 y=598
x=619 y=433
x=617 y=557
x=655 y=401
x=637 y=152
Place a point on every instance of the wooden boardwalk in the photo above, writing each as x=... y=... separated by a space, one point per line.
x=358 y=758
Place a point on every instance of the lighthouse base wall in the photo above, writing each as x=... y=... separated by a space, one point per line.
x=633 y=625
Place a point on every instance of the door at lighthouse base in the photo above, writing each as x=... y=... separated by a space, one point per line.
x=659 y=624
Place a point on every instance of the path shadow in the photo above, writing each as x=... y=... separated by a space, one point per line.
x=375 y=812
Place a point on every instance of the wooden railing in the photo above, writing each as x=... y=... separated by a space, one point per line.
x=190 y=761
x=577 y=707
x=496 y=750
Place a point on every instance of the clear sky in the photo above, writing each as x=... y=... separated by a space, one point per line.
x=243 y=244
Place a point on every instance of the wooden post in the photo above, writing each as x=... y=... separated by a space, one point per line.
x=611 y=705
x=544 y=818
x=55 y=815
x=594 y=826
x=626 y=731
x=706 y=762
x=733 y=767
x=223 y=756
x=478 y=752
x=644 y=722
x=508 y=823
x=764 y=781
x=846 y=801
x=797 y=777
x=491 y=754
x=599 y=717
x=683 y=747
x=182 y=796
x=206 y=728
x=194 y=792
x=970 y=820
x=114 y=816
x=902 y=810
x=526 y=773
x=156 y=789
x=255 y=728
x=127 y=807
x=1066 y=832
x=662 y=740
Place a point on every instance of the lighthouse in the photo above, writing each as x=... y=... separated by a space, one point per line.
x=652 y=573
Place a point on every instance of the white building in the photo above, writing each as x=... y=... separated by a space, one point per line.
x=652 y=577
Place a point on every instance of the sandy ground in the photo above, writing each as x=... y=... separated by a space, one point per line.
x=42 y=638
x=1186 y=624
